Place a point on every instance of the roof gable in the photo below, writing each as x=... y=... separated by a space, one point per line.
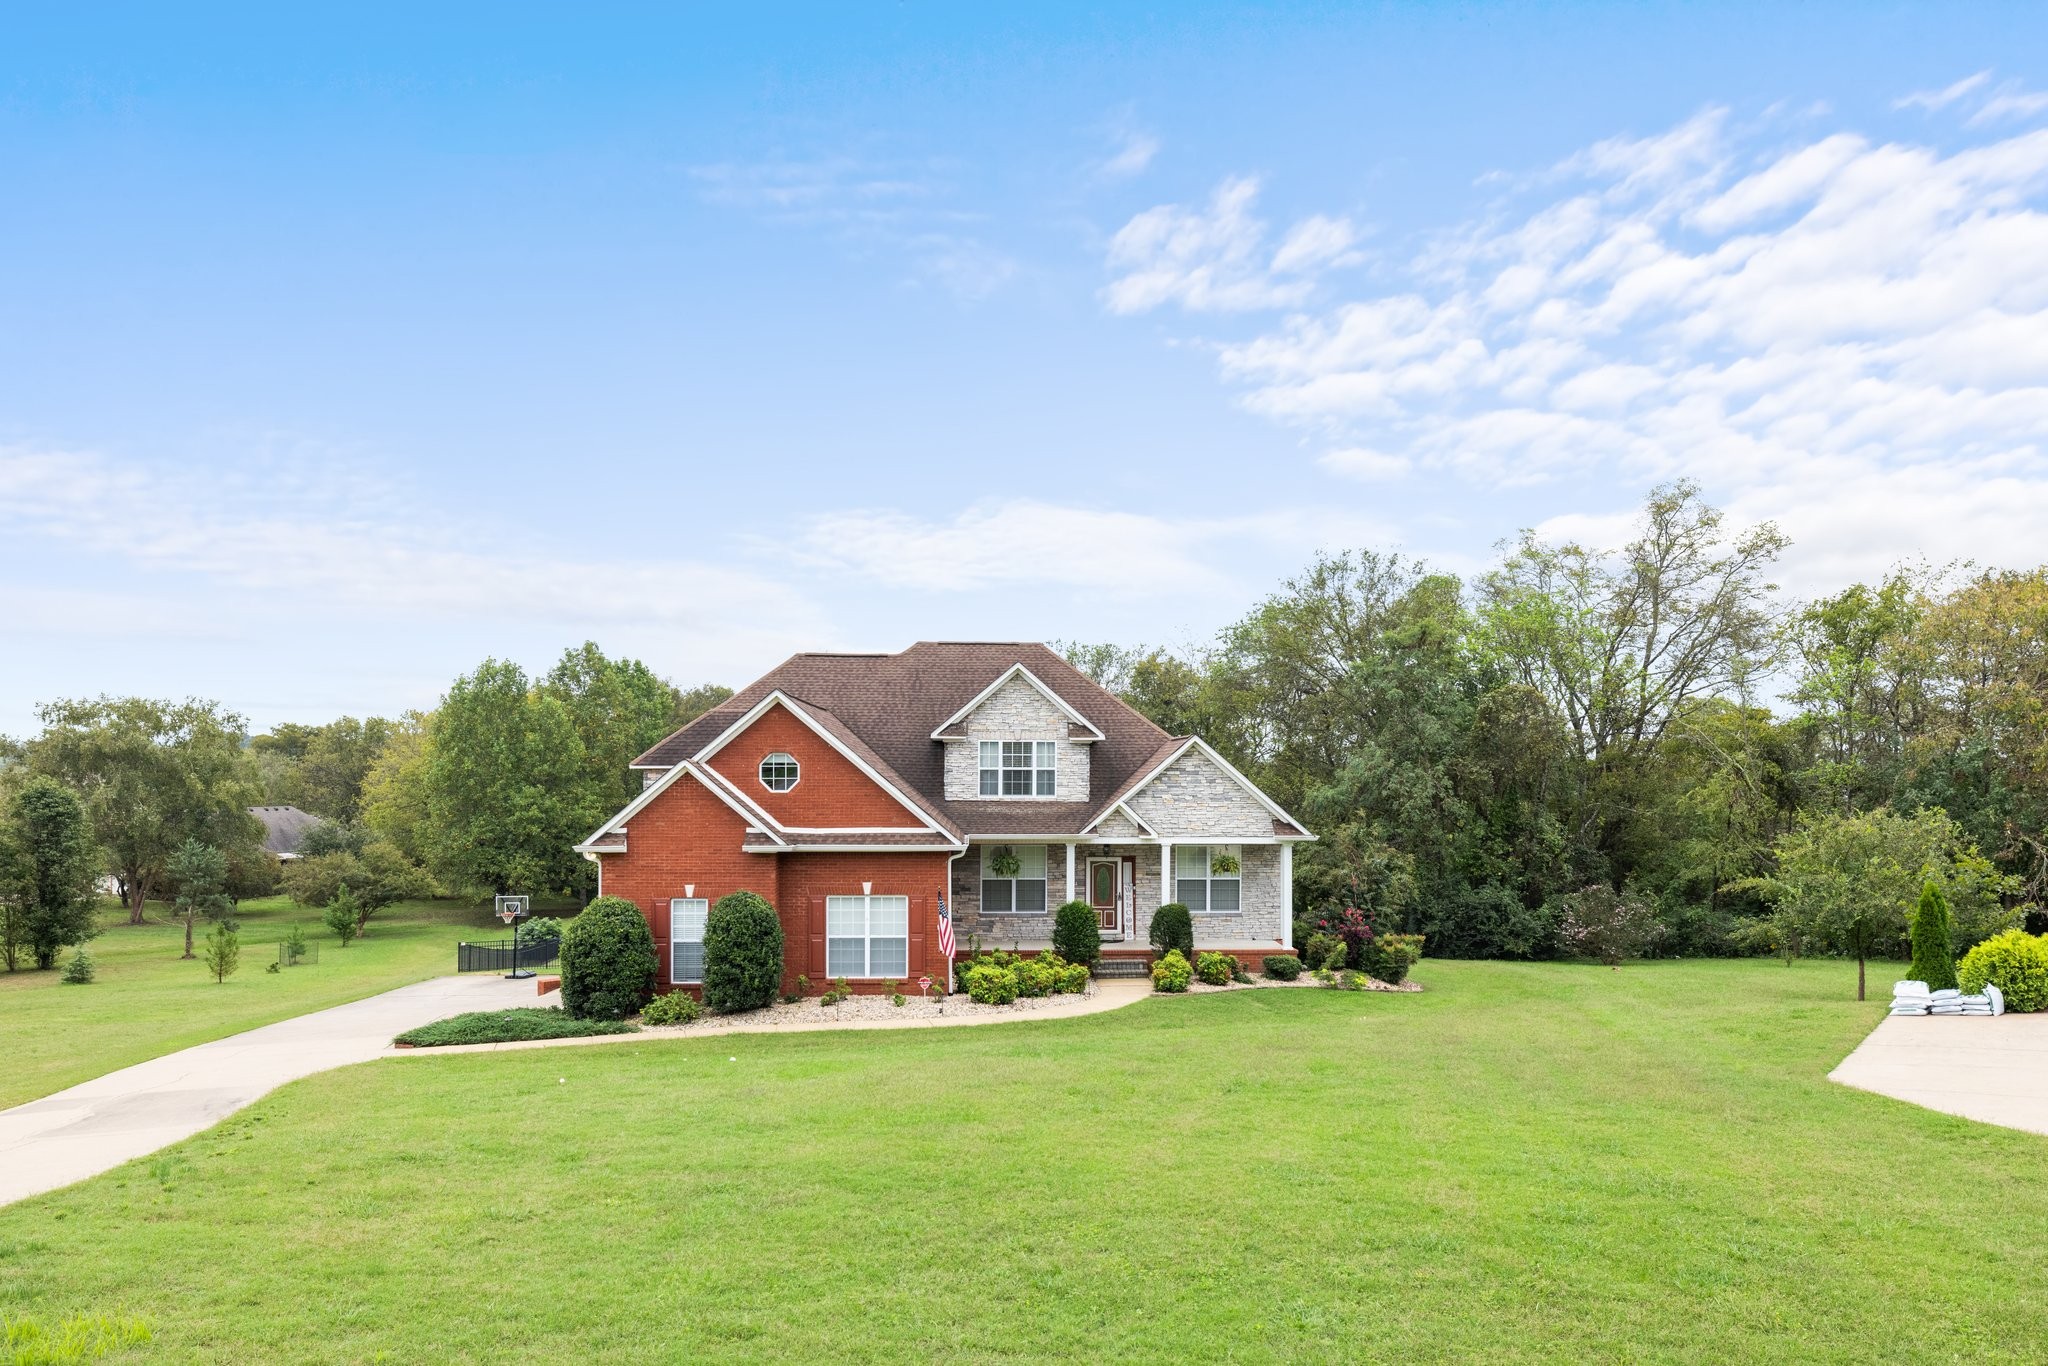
x=1079 y=727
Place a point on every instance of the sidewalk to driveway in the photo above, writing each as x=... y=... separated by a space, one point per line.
x=104 y=1122
x=1989 y=1068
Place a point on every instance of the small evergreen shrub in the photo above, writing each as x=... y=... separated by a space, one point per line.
x=1214 y=968
x=1173 y=929
x=897 y=998
x=1077 y=934
x=2015 y=962
x=673 y=1008
x=294 y=945
x=742 y=953
x=1282 y=967
x=1934 y=959
x=838 y=992
x=344 y=915
x=991 y=984
x=223 y=952
x=1325 y=950
x=1073 y=979
x=79 y=971
x=608 y=961
x=1171 y=972
x=509 y=1026
x=1392 y=955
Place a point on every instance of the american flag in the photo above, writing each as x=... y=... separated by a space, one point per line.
x=945 y=929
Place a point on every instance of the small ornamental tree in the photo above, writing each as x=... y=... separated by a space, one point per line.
x=607 y=961
x=1077 y=933
x=1934 y=959
x=1602 y=923
x=199 y=876
x=1172 y=928
x=223 y=951
x=344 y=915
x=742 y=953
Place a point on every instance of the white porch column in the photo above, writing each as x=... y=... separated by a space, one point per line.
x=1071 y=894
x=1286 y=896
x=1165 y=871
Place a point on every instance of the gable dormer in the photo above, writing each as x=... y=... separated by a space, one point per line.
x=1017 y=741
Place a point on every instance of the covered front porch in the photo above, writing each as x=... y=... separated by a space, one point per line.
x=1239 y=894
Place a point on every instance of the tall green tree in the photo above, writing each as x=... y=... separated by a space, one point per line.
x=1934 y=954
x=620 y=709
x=198 y=875
x=508 y=786
x=152 y=775
x=49 y=871
x=1846 y=883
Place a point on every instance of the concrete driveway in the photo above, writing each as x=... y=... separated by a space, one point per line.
x=1993 y=1069
x=104 y=1122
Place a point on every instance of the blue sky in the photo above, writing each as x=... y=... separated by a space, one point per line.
x=336 y=353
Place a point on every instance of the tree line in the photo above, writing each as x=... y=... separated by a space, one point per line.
x=1653 y=730
x=486 y=793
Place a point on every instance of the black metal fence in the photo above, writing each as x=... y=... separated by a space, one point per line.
x=497 y=957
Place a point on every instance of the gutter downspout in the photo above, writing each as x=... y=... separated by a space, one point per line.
x=951 y=859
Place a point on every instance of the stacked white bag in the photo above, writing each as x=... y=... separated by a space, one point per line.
x=1913 y=998
x=1910 y=998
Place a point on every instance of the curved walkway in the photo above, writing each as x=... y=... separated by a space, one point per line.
x=97 y=1125
x=1993 y=1069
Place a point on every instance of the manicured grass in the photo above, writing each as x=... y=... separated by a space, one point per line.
x=1525 y=1163
x=509 y=1026
x=148 y=1001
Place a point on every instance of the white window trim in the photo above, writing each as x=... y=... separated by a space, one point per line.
x=1032 y=796
x=674 y=902
x=987 y=878
x=761 y=775
x=867 y=942
x=1208 y=878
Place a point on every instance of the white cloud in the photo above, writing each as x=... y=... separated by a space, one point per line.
x=1215 y=259
x=1028 y=542
x=1838 y=333
x=1946 y=96
x=303 y=539
x=1135 y=150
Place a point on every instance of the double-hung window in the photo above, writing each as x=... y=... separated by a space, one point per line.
x=867 y=936
x=1016 y=768
x=686 y=938
x=1207 y=878
x=1013 y=879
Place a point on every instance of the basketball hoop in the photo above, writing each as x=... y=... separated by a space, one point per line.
x=510 y=908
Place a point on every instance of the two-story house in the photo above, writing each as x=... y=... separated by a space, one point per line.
x=853 y=790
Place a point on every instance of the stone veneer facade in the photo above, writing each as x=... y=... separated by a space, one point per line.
x=1016 y=711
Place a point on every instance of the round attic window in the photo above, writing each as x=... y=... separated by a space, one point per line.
x=778 y=772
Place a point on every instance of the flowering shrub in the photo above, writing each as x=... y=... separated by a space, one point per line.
x=1602 y=923
x=1353 y=928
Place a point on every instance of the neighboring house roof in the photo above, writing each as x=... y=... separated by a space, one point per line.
x=284 y=828
x=892 y=711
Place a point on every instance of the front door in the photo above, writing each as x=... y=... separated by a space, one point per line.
x=1102 y=893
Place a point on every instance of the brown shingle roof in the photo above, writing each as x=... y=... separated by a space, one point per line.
x=890 y=704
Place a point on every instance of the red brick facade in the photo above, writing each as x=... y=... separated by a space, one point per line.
x=689 y=837
x=830 y=792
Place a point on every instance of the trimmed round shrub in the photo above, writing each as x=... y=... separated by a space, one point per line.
x=1171 y=972
x=1076 y=933
x=1038 y=976
x=1073 y=979
x=1172 y=928
x=742 y=953
x=2015 y=962
x=674 y=1008
x=991 y=984
x=1215 y=969
x=607 y=961
x=1282 y=967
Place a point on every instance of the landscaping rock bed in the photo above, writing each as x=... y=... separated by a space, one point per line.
x=859 y=1009
x=1305 y=980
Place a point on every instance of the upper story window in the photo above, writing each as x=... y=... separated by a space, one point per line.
x=1207 y=879
x=1016 y=768
x=779 y=772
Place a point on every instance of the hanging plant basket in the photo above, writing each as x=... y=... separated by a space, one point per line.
x=1003 y=862
x=1223 y=865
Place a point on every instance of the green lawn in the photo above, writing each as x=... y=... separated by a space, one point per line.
x=148 y=1001
x=1528 y=1162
